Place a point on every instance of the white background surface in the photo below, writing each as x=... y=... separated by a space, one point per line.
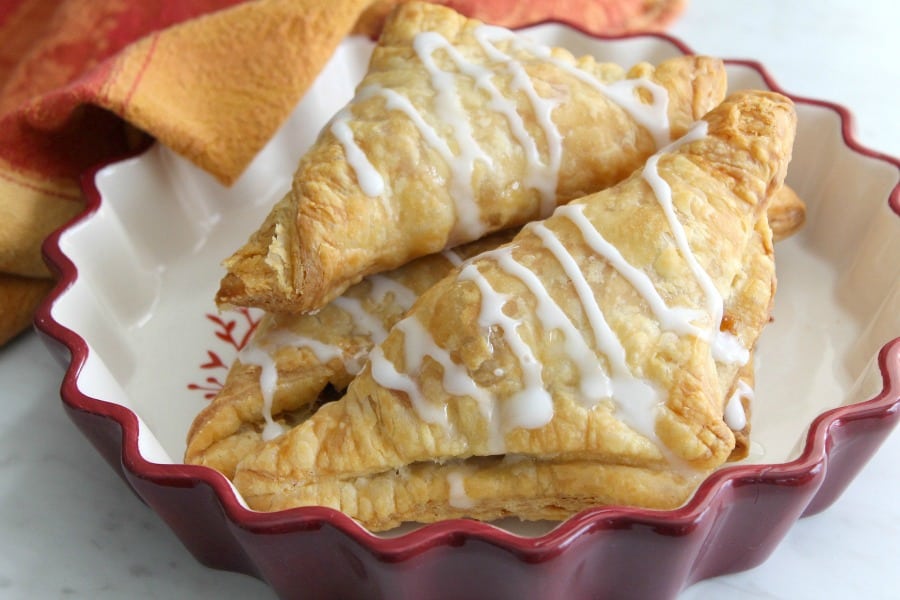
x=69 y=528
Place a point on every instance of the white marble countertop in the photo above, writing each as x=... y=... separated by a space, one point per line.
x=70 y=528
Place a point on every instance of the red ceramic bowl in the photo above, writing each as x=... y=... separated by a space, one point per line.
x=133 y=307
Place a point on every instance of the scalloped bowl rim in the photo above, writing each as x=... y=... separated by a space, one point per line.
x=672 y=522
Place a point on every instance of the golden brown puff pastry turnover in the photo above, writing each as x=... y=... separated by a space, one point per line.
x=295 y=362
x=581 y=364
x=458 y=129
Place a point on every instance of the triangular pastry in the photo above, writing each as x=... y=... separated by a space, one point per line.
x=589 y=361
x=295 y=361
x=458 y=129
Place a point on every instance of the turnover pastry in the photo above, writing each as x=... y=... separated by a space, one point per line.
x=589 y=361
x=458 y=129
x=296 y=361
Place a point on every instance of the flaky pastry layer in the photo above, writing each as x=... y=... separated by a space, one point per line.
x=460 y=147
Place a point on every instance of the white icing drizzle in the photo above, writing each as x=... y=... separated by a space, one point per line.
x=261 y=350
x=362 y=319
x=456 y=379
x=276 y=339
x=454 y=258
x=636 y=399
x=457 y=497
x=725 y=347
x=604 y=336
x=370 y=180
x=735 y=417
x=676 y=319
x=385 y=374
x=418 y=344
x=451 y=111
x=542 y=173
x=469 y=225
x=653 y=116
x=396 y=101
x=268 y=378
x=542 y=176
x=594 y=382
x=532 y=406
x=728 y=348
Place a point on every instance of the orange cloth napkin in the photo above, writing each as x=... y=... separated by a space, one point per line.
x=85 y=81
